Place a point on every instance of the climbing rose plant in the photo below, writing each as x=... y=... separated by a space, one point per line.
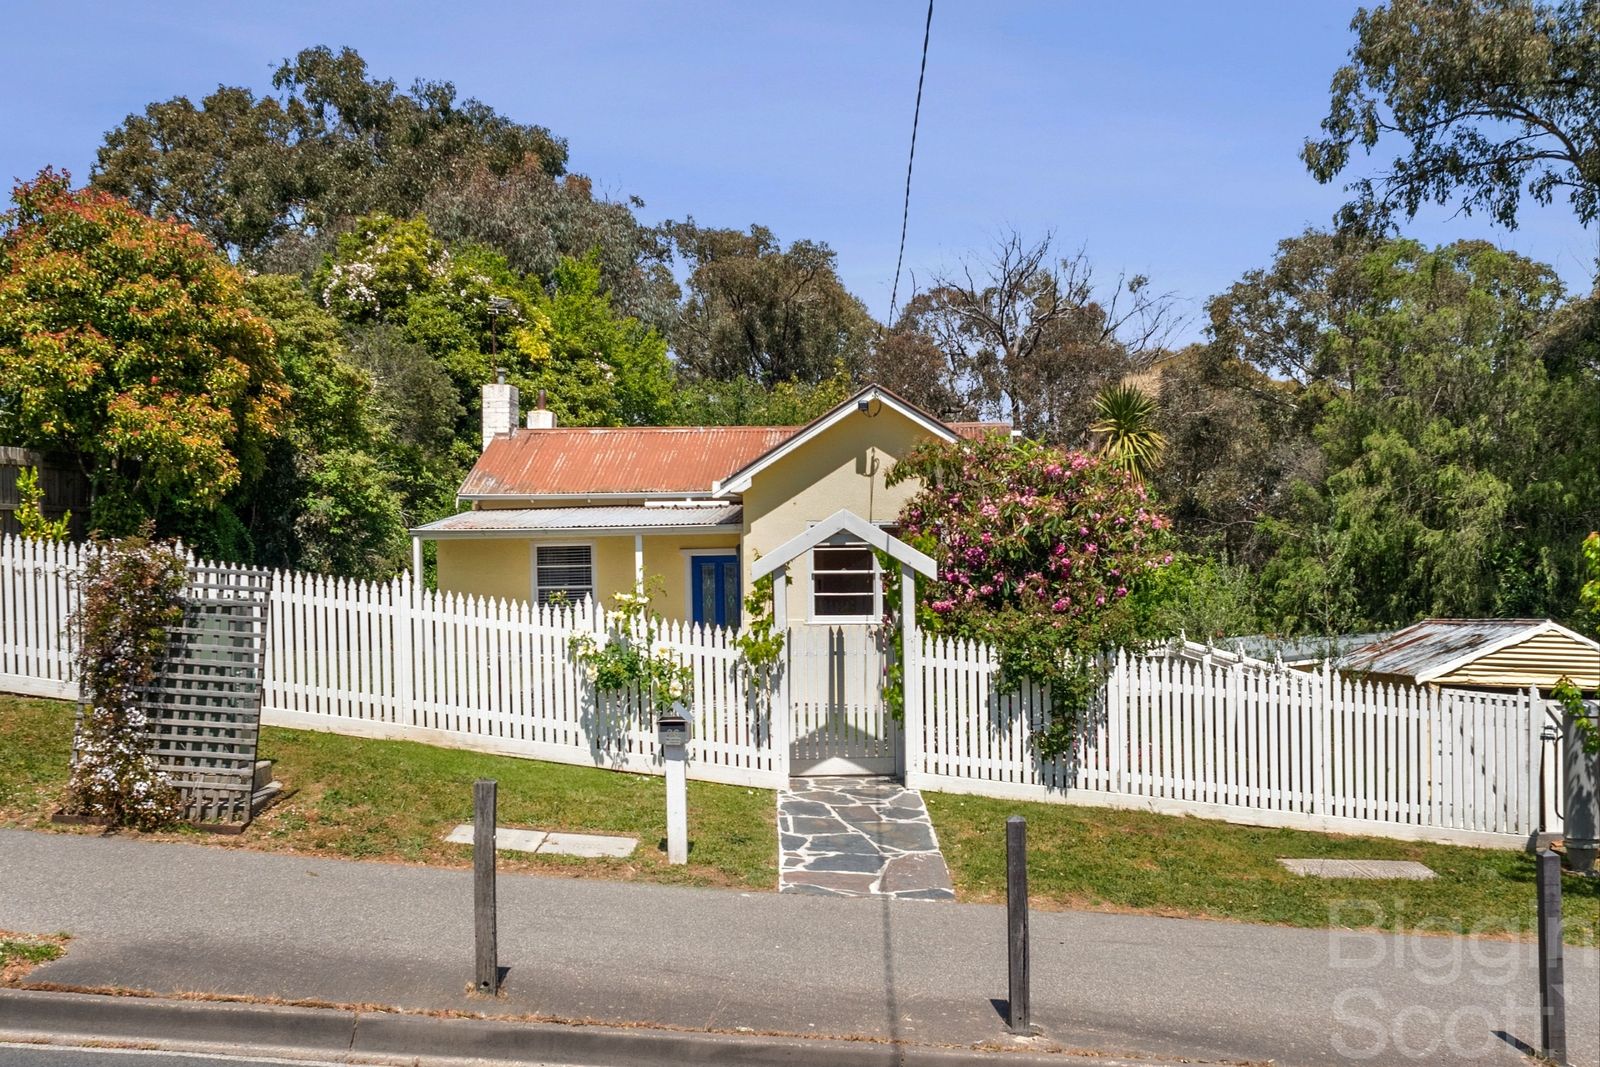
x=131 y=595
x=1039 y=551
x=628 y=656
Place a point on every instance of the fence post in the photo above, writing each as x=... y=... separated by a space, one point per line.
x=484 y=928
x=778 y=699
x=405 y=707
x=1017 y=923
x=1552 y=984
x=910 y=677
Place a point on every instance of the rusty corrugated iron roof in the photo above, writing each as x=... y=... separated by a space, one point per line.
x=568 y=520
x=977 y=430
x=616 y=461
x=1422 y=650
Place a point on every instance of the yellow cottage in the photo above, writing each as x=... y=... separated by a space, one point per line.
x=589 y=512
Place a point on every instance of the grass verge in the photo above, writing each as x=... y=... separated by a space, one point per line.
x=1096 y=858
x=21 y=953
x=393 y=800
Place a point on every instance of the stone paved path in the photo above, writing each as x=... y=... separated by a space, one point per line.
x=858 y=837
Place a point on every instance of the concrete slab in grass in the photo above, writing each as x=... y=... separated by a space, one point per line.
x=587 y=846
x=1407 y=870
x=504 y=838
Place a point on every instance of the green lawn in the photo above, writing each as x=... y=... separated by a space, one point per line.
x=1134 y=861
x=393 y=800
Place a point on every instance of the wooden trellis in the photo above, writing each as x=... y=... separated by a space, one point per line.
x=204 y=707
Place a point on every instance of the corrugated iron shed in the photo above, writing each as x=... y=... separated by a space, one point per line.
x=1479 y=652
x=613 y=519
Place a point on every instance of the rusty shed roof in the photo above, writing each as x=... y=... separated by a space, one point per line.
x=1435 y=647
x=616 y=461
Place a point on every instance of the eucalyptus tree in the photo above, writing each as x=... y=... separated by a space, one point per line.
x=1492 y=100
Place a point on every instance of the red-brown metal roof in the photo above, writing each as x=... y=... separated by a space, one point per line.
x=978 y=430
x=605 y=461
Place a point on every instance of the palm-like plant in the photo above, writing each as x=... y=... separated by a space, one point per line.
x=1125 y=421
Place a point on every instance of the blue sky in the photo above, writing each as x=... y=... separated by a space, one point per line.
x=1160 y=137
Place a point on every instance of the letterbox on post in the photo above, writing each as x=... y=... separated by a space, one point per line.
x=673 y=730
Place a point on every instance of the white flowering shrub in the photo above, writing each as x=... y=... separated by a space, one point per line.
x=627 y=655
x=130 y=596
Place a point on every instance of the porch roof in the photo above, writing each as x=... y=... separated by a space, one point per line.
x=605 y=519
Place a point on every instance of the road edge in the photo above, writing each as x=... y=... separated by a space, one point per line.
x=365 y=1036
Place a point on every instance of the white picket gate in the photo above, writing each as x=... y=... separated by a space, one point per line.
x=1245 y=742
x=840 y=720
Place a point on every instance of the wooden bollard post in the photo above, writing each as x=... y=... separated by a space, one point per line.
x=1017 y=922
x=485 y=932
x=1552 y=980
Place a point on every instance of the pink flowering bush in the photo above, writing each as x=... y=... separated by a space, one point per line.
x=1039 y=551
x=130 y=596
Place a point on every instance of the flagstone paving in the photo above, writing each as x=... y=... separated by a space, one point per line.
x=858 y=837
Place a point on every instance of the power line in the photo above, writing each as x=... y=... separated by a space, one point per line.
x=905 y=212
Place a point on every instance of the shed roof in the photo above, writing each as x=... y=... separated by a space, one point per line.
x=1436 y=647
x=508 y=522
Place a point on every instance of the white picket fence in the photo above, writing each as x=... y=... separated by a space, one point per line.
x=1245 y=742
x=1241 y=741
x=386 y=659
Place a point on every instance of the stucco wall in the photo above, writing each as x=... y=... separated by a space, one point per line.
x=843 y=467
x=486 y=566
x=503 y=566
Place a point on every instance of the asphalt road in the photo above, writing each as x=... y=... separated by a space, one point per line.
x=57 y=1056
x=209 y=919
x=62 y=1056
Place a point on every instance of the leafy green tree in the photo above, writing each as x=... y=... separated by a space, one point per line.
x=602 y=369
x=335 y=144
x=129 y=342
x=1238 y=441
x=536 y=220
x=756 y=309
x=334 y=463
x=1495 y=100
x=746 y=402
x=1454 y=462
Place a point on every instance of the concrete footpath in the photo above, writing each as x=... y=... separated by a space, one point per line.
x=190 y=918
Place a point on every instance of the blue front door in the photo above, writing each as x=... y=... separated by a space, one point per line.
x=714 y=589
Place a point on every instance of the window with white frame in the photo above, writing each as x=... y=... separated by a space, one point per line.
x=563 y=572
x=845 y=585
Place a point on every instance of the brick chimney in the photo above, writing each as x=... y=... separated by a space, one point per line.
x=541 y=417
x=500 y=407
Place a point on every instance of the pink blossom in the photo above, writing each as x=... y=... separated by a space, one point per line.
x=1100 y=601
x=1061 y=604
x=1122 y=590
